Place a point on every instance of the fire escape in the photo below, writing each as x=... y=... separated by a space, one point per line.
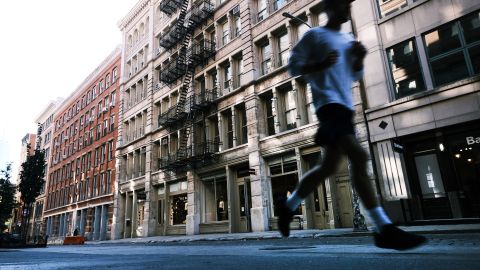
x=191 y=105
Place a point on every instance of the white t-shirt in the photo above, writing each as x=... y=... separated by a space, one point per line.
x=332 y=85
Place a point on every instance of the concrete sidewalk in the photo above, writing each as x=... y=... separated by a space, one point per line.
x=429 y=229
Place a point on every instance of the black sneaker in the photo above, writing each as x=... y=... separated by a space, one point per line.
x=285 y=216
x=395 y=238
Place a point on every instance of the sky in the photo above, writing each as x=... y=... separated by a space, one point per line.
x=47 y=49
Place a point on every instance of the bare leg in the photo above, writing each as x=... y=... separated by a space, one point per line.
x=358 y=159
x=317 y=174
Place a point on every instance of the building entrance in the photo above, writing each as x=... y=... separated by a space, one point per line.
x=444 y=174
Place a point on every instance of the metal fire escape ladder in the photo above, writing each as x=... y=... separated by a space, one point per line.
x=182 y=100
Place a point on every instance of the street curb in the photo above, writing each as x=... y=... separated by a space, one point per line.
x=272 y=236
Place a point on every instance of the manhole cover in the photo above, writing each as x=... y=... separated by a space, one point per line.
x=286 y=248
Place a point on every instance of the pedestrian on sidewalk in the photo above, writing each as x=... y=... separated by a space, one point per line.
x=331 y=60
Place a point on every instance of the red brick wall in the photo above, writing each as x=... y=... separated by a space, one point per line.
x=63 y=177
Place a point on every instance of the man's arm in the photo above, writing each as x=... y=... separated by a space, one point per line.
x=305 y=54
x=359 y=52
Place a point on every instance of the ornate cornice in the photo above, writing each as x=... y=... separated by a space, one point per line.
x=134 y=12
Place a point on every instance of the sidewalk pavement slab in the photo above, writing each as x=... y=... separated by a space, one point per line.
x=315 y=233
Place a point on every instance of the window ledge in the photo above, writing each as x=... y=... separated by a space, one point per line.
x=226 y=151
x=426 y=93
x=289 y=132
x=400 y=11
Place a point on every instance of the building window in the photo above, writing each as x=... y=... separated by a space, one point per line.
x=290 y=106
x=241 y=122
x=114 y=75
x=225 y=32
x=388 y=7
x=238 y=71
x=112 y=98
x=266 y=56
x=237 y=24
x=405 y=69
x=284 y=178
x=227 y=77
x=105 y=127
x=262 y=10
x=311 y=111
x=302 y=28
x=278 y=4
x=108 y=182
x=103 y=153
x=454 y=50
x=267 y=100
x=215 y=199
x=228 y=128
x=112 y=123
x=110 y=150
x=283 y=49
x=99 y=131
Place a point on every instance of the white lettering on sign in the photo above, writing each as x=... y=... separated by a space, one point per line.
x=472 y=140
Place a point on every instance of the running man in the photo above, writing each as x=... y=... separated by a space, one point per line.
x=331 y=60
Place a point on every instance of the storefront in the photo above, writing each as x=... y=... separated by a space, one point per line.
x=443 y=169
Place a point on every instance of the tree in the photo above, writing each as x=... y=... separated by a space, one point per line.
x=7 y=196
x=31 y=184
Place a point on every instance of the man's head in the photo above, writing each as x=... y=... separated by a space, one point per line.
x=338 y=10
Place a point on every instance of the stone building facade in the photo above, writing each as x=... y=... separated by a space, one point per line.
x=422 y=97
x=213 y=129
x=82 y=173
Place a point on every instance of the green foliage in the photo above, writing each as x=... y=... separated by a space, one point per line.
x=32 y=177
x=7 y=196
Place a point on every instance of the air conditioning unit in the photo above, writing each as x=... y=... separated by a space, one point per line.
x=64 y=156
x=105 y=109
x=112 y=104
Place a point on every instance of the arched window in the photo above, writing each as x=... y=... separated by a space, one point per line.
x=135 y=36
x=147 y=23
x=142 y=30
x=130 y=44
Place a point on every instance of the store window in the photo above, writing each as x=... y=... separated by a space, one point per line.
x=453 y=49
x=405 y=69
x=215 y=199
x=284 y=178
x=178 y=203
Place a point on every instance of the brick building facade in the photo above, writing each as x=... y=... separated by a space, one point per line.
x=81 y=178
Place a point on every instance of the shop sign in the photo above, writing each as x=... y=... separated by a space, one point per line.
x=473 y=140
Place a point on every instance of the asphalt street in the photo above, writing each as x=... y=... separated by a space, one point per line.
x=459 y=251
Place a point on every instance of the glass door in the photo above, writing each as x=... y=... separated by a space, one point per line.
x=435 y=201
